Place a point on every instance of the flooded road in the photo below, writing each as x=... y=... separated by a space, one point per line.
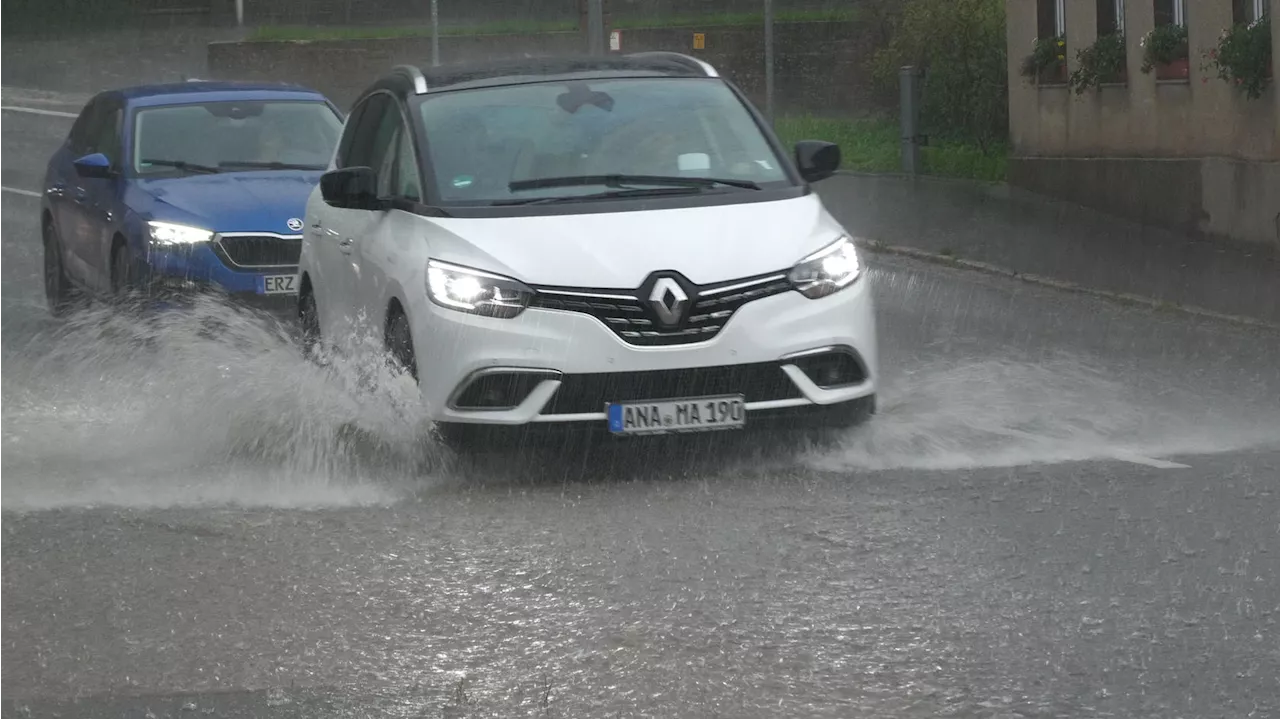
x=1064 y=508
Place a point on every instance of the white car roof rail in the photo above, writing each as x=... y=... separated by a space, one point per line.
x=419 y=81
x=686 y=60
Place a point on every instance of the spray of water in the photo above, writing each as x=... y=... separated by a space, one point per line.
x=1003 y=413
x=215 y=405
x=210 y=404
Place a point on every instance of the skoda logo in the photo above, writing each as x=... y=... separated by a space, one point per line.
x=668 y=301
x=294 y=224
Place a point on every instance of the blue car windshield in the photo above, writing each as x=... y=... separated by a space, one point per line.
x=504 y=144
x=234 y=136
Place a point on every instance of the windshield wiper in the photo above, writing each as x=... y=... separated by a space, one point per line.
x=619 y=180
x=269 y=165
x=181 y=165
x=632 y=192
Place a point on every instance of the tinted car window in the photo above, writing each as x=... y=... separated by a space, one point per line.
x=403 y=179
x=106 y=133
x=381 y=142
x=235 y=136
x=364 y=149
x=81 y=136
x=481 y=140
x=351 y=133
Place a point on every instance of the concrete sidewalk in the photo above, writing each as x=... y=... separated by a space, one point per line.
x=1030 y=235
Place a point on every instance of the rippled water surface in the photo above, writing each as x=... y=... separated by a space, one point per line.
x=192 y=506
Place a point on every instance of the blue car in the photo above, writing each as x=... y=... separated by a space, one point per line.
x=163 y=191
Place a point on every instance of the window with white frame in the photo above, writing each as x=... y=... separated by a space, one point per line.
x=1244 y=12
x=1051 y=18
x=1171 y=12
x=1110 y=17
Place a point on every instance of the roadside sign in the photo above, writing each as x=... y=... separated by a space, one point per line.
x=615 y=41
x=699 y=41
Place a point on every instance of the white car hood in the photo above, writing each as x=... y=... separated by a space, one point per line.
x=620 y=249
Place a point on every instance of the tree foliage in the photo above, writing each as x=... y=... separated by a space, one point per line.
x=961 y=45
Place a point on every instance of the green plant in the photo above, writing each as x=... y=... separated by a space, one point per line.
x=1101 y=62
x=960 y=45
x=1163 y=45
x=1046 y=52
x=1243 y=57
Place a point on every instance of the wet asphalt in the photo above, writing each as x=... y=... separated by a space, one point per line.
x=1064 y=508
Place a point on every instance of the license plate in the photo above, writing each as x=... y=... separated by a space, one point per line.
x=703 y=414
x=279 y=284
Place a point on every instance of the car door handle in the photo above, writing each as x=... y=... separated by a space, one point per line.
x=319 y=230
x=80 y=194
x=346 y=246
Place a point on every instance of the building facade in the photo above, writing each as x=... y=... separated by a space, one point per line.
x=1177 y=146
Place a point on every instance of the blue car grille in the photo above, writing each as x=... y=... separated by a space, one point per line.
x=258 y=250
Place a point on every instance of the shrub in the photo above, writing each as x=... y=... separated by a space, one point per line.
x=1163 y=45
x=1101 y=62
x=1243 y=57
x=960 y=44
x=1046 y=53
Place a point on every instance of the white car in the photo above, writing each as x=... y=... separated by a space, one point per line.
x=617 y=243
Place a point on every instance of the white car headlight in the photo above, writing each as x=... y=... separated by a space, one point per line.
x=475 y=291
x=828 y=270
x=167 y=234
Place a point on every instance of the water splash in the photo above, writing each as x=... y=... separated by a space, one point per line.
x=217 y=406
x=208 y=405
x=947 y=415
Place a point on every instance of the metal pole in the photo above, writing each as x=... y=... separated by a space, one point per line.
x=435 y=33
x=909 y=112
x=595 y=27
x=768 y=59
x=239 y=13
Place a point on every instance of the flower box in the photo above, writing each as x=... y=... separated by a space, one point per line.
x=1055 y=74
x=1176 y=70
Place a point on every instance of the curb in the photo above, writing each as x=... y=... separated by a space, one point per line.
x=1118 y=297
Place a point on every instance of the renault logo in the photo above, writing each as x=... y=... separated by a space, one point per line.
x=668 y=301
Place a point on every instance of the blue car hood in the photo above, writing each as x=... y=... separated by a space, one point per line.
x=237 y=202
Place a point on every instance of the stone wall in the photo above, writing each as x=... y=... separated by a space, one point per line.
x=820 y=67
x=1191 y=154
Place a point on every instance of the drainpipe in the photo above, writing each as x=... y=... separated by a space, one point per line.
x=909 y=78
x=768 y=59
x=435 y=33
x=595 y=27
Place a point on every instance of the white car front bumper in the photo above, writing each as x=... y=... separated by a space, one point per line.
x=557 y=366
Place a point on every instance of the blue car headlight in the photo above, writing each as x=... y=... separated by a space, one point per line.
x=169 y=234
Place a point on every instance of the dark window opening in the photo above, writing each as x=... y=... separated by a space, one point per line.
x=1244 y=12
x=1168 y=12
x=1046 y=19
x=1110 y=21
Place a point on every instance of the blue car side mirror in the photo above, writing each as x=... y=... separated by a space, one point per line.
x=95 y=165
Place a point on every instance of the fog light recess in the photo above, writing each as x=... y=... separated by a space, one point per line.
x=498 y=389
x=835 y=368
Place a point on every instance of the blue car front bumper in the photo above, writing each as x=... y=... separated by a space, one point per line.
x=192 y=269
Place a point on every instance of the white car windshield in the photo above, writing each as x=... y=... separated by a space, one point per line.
x=513 y=143
x=234 y=136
